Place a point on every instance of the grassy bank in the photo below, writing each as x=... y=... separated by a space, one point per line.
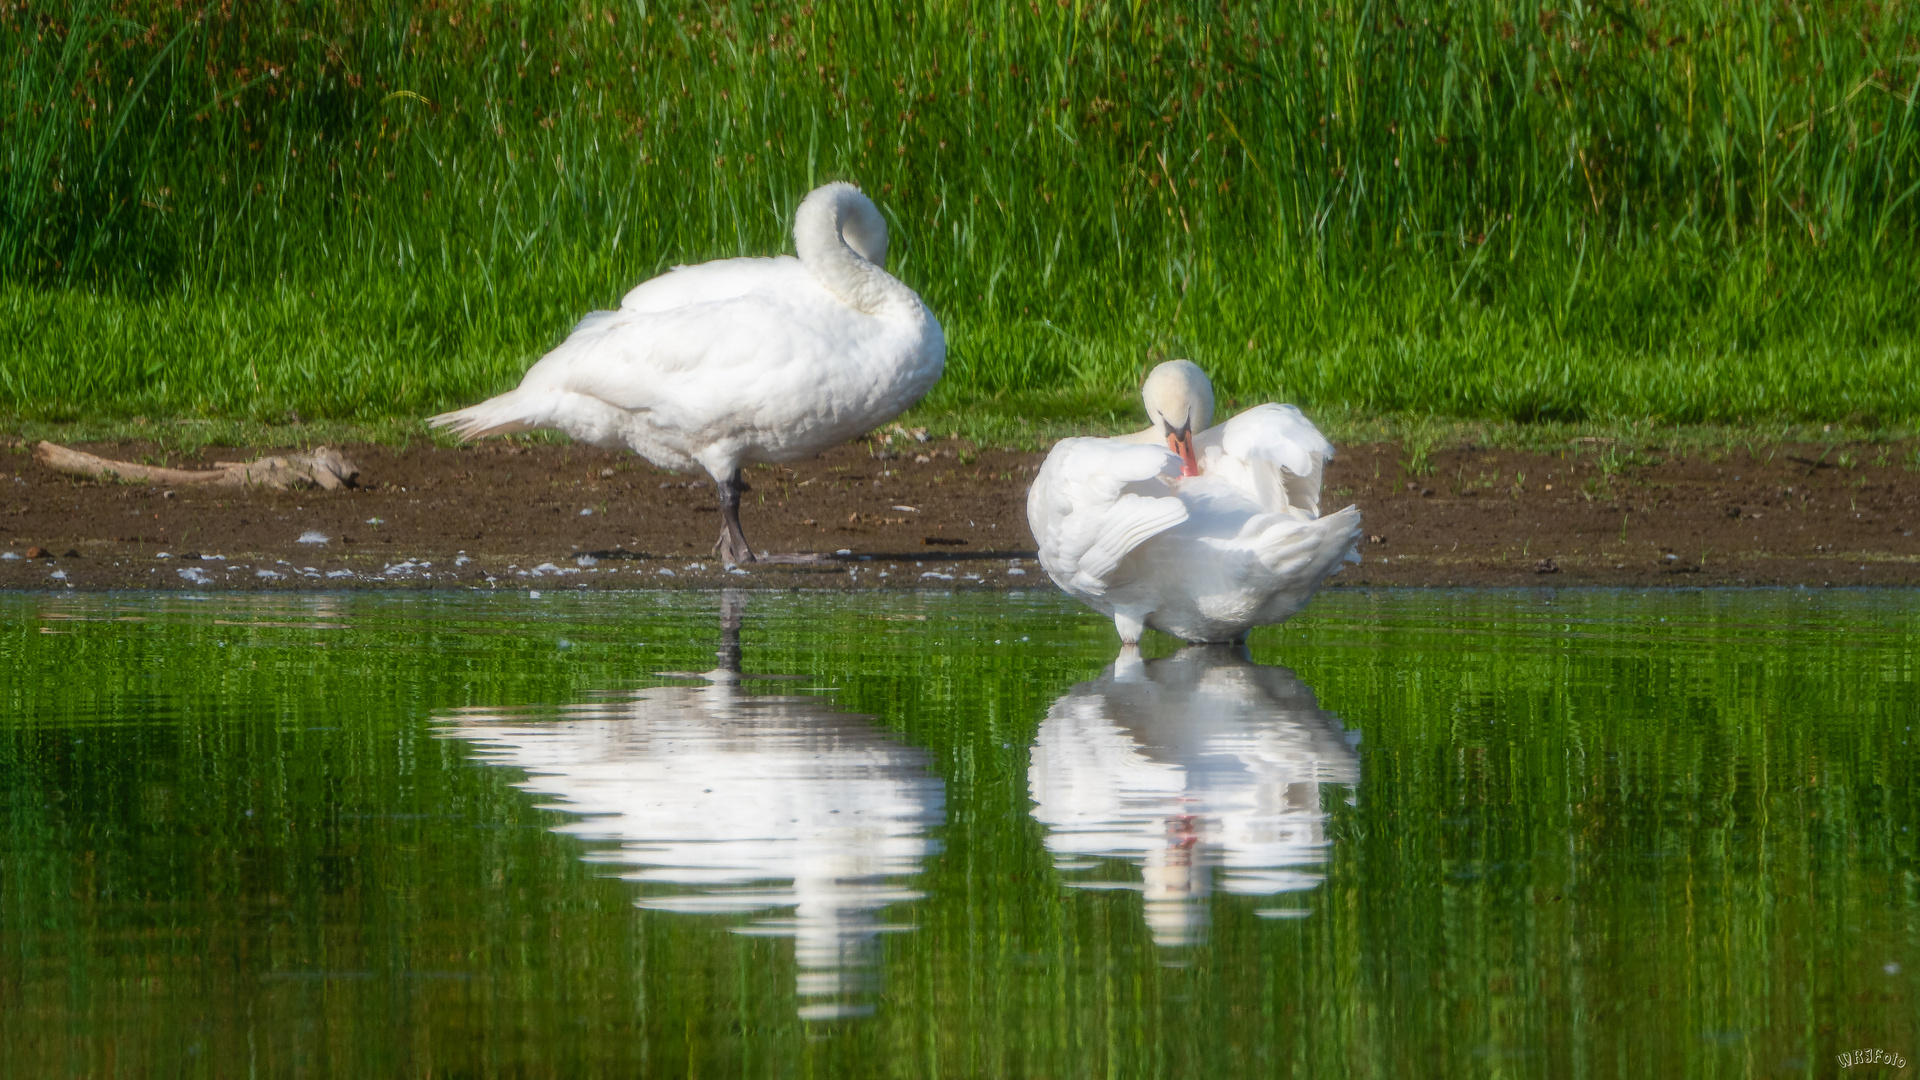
x=1035 y=422
x=1697 y=213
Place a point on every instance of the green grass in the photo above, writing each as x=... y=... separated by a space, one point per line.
x=1690 y=213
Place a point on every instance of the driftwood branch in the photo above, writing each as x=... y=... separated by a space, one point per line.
x=322 y=468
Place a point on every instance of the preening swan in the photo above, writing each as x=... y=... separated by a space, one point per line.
x=1201 y=532
x=739 y=360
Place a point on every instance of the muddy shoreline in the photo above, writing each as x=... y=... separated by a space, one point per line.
x=941 y=514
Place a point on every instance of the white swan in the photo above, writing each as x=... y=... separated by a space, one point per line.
x=1200 y=532
x=1199 y=766
x=739 y=360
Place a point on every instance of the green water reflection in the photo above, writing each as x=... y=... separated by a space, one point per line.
x=1414 y=833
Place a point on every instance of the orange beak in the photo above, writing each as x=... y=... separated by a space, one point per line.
x=1181 y=442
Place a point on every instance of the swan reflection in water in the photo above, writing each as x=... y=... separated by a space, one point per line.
x=1182 y=765
x=739 y=803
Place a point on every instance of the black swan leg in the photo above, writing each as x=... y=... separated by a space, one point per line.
x=733 y=542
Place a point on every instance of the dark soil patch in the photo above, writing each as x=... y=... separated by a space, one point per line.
x=943 y=515
x=1786 y=516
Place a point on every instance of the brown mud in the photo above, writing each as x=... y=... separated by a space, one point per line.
x=941 y=514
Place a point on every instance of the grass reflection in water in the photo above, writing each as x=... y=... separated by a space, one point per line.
x=1598 y=834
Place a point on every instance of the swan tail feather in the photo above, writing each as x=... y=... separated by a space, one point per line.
x=1313 y=550
x=503 y=415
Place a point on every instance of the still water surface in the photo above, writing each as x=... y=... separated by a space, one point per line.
x=1411 y=833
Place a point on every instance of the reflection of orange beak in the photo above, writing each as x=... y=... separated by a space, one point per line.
x=1181 y=442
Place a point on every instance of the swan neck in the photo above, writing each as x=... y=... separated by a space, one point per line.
x=819 y=239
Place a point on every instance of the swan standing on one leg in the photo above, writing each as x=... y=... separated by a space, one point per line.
x=739 y=360
x=1201 y=532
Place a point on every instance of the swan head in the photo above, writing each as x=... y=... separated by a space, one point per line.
x=842 y=211
x=1179 y=401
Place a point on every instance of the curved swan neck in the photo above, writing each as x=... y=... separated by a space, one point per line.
x=826 y=228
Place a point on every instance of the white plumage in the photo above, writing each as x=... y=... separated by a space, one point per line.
x=739 y=360
x=1200 y=532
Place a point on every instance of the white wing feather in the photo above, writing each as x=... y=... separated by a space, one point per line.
x=713 y=349
x=722 y=279
x=1282 y=454
x=1131 y=521
x=698 y=348
x=1084 y=517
